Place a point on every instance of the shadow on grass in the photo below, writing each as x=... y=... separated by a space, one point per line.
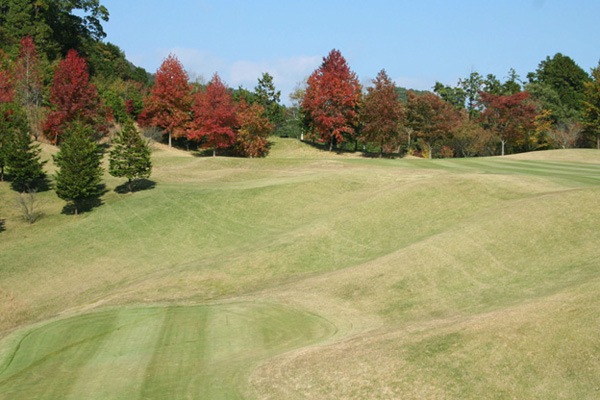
x=351 y=148
x=137 y=185
x=2 y=224
x=227 y=152
x=86 y=205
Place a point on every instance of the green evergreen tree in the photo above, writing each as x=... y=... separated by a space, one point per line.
x=23 y=163
x=7 y=127
x=591 y=109
x=268 y=97
x=79 y=173
x=563 y=75
x=130 y=157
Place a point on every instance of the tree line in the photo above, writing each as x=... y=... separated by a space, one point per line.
x=212 y=116
x=557 y=108
x=60 y=82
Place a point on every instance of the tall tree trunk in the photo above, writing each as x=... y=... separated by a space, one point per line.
x=214 y=151
x=169 y=139
x=129 y=185
x=598 y=142
x=430 y=150
x=503 y=141
x=330 y=144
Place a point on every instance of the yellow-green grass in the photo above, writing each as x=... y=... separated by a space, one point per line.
x=445 y=279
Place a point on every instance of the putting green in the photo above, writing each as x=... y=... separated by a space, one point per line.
x=195 y=352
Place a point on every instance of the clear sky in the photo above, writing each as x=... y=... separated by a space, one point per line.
x=418 y=42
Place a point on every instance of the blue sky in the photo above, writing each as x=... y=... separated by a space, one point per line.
x=418 y=42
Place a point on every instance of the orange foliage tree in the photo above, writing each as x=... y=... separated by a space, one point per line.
x=214 y=120
x=382 y=113
x=255 y=127
x=169 y=103
x=74 y=99
x=510 y=117
x=431 y=118
x=332 y=99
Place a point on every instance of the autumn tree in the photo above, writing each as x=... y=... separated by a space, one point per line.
x=214 y=118
x=28 y=82
x=267 y=96
x=130 y=156
x=382 y=113
x=169 y=102
x=431 y=118
x=6 y=97
x=470 y=139
x=79 y=166
x=565 y=135
x=509 y=117
x=252 y=137
x=74 y=99
x=7 y=84
x=331 y=101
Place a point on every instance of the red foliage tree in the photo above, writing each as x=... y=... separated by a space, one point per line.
x=73 y=98
x=168 y=105
x=7 y=87
x=382 y=113
x=214 y=116
x=332 y=99
x=430 y=117
x=509 y=117
x=28 y=83
x=252 y=137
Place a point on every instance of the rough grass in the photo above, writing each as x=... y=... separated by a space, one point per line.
x=450 y=279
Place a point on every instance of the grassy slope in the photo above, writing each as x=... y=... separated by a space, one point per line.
x=447 y=278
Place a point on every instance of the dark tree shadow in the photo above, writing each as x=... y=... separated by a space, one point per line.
x=88 y=204
x=339 y=149
x=204 y=153
x=2 y=224
x=138 y=185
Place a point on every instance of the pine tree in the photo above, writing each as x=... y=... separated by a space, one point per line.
x=6 y=129
x=130 y=157
x=269 y=98
x=78 y=160
x=23 y=162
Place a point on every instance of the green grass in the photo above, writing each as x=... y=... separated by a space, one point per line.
x=311 y=275
x=154 y=352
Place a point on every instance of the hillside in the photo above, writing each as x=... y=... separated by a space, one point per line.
x=311 y=275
